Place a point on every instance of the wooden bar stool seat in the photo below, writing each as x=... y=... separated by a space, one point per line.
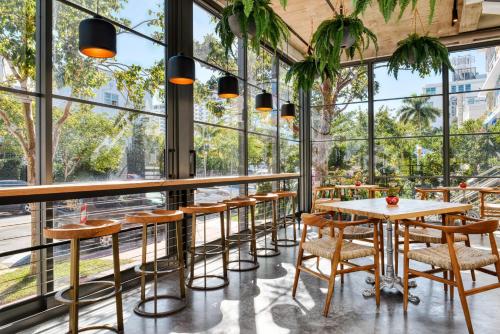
x=72 y=295
x=266 y=250
x=154 y=218
x=242 y=237
x=287 y=198
x=210 y=281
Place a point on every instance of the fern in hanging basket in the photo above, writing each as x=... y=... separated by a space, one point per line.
x=305 y=72
x=421 y=54
x=252 y=20
x=342 y=34
x=388 y=7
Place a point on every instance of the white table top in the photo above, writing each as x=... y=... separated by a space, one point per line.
x=406 y=208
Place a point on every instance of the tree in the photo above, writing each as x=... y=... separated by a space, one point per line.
x=418 y=110
x=79 y=75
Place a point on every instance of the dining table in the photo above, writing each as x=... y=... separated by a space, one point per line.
x=405 y=209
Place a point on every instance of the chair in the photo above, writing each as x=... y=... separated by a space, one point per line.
x=75 y=233
x=422 y=235
x=338 y=251
x=323 y=195
x=241 y=237
x=206 y=249
x=453 y=257
x=486 y=208
x=155 y=218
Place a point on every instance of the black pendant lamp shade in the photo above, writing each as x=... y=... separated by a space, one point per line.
x=228 y=87
x=264 y=101
x=288 y=111
x=97 y=38
x=180 y=70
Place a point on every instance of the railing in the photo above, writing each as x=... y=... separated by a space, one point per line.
x=32 y=268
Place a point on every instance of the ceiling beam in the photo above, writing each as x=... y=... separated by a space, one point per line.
x=471 y=13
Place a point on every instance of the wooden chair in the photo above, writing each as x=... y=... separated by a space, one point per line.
x=489 y=209
x=323 y=195
x=338 y=251
x=453 y=257
x=422 y=235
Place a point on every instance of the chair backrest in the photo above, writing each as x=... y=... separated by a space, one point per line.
x=424 y=194
x=478 y=227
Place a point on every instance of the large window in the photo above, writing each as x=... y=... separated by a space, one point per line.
x=339 y=128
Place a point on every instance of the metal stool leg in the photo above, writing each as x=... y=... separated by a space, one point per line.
x=193 y=248
x=180 y=257
x=225 y=254
x=143 y=260
x=254 y=237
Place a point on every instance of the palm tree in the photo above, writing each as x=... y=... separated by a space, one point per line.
x=418 y=110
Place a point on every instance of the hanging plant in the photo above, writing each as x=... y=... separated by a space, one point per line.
x=422 y=54
x=342 y=34
x=388 y=7
x=306 y=71
x=252 y=20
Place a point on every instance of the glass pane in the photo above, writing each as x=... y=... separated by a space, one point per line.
x=218 y=151
x=206 y=44
x=475 y=69
x=18 y=44
x=476 y=155
x=343 y=121
x=475 y=112
x=147 y=17
x=264 y=122
x=261 y=70
x=208 y=107
x=18 y=138
x=95 y=143
x=409 y=157
x=289 y=155
x=339 y=161
x=287 y=91
x=412 y=116
x=133 y=79
x=350 y=86
x=261 y=154
x=407 y=84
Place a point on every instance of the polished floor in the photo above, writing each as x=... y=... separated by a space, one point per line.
x=260 y=302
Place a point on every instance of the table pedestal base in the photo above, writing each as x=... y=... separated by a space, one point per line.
x=391 y=283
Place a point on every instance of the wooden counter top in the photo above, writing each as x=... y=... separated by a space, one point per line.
x=52 y=192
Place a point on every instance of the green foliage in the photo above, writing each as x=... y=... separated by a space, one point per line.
x=388 y=7
x=305 y=72
x=421 y=54
x=269 y=27
x=327 y=40
x=418 y=110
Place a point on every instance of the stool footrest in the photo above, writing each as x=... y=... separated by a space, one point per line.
x=138 y=269
x=238 y=267
x=85 y=301
x=285 y=242
x=211 y=250
x=142 y=304
x=224 y=282
x=267 y=252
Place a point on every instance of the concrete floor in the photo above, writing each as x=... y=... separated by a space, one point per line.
x=260 y=302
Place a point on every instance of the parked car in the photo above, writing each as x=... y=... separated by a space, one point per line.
x=23 y=208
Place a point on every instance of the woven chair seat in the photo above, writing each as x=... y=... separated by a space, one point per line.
x=439 y=256
x=428 y=235
x=325 y=248
x=352 y=232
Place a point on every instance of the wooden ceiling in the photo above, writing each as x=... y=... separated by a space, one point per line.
x=304 y=16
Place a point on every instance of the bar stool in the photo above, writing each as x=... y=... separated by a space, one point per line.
x=240 y=237
x=155 y=218
x=76 y=232
x=286 y=197
x=204 y=250
x=264 y=199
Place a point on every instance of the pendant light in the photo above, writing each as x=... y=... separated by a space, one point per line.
x=97 y=37
x=288 y=109
x=180 y=68
x=228 y=87
x=264 y=101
